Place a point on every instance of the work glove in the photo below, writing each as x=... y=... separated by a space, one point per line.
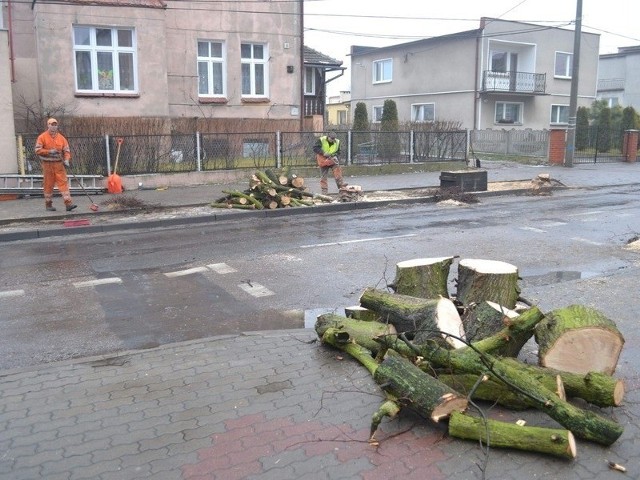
x=66 y=163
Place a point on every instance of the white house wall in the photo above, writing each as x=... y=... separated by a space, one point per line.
x=7 y=133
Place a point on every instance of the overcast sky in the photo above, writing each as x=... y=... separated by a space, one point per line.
x=332 y=26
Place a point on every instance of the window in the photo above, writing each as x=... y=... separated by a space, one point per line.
x=560 y=114
x=383 y=70
x=563 y=65
x=105 y=59
x=211 y=69
x=377 y=114
x=255 y=71
x=343 y=117
x=508 y=112
x=611 y=101
x=309 y=81
x=423 y=112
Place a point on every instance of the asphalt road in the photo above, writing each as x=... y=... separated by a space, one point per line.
x=84 y=295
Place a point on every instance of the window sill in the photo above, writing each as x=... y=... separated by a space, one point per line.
x=105 y=94
x=255 y=100
x=214 y=101
x=559 y=77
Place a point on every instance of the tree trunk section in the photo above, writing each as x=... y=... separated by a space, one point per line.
x=485 y=319
x=414 y=388
x=578 y=339
x=364 y=332
x=360 y=313
x=423 y=277
x=422 y=319
x=482 y=280
x=550 y=441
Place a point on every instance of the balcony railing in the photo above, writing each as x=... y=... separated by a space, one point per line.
x=605 y=84
x=514 y=82
x=313 y=106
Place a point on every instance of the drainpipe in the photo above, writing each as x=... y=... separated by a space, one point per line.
x=476 y=95
x=301 y=73
x=11 y=58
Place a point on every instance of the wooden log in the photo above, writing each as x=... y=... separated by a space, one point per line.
x=296 y=181
x=364 y=331
x=412 y=387
x=578 y=339
x=550 y=441
x=481 y=280
x=423 y=277
x=485 y=319
x=232 y=205
x=360 y=313
x=272 y=176
x=250 y=198
x=489 y=390
x=423 y=319
x=584 y=424
x=284 y=200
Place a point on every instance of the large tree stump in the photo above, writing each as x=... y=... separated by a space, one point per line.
x=422 y=319
x=423 y=277
x=481 y=280
x=485 y=319
x=550 y=441
x=578 y=339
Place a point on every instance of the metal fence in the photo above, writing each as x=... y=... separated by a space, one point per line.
x=594 y=144
x=144 y=154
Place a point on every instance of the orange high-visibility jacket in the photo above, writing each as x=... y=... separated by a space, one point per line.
x=46 y=142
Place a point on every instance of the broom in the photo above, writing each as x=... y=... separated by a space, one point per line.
x=114 y=183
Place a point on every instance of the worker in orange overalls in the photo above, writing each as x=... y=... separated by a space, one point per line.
x=54 y=153
x=327 y=149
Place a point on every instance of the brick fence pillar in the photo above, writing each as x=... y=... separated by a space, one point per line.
x=630 y=146
x=557 y=146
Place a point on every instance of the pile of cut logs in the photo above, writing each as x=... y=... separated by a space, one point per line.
x=434 y=352
x=269 y=189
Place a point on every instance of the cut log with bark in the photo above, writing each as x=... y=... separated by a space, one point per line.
x=423 y=277
x=360 y=313
x=481 y=320
x=423 y=319
x=481 y=280
x=365 y=331
x=578 y=339
x=549 y=441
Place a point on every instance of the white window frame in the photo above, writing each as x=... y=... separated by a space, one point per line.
x=250 y=66
x=210 y=61
x=501 y=106
x=343 y=117
x=564 y=63
x=376 y=113
x=418 y=112
x=309 y=81
x=115 y=51
x=382 y=70
x=556 y=114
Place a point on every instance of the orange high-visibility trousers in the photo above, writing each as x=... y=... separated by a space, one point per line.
x=54 y=173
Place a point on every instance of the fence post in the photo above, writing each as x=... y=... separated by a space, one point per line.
x=108 y=152
x=278 y=149
x=411 y=139
x=557 y=146
x=21 y=161
x=349 y=147
x=198 y=150
x=630 y=146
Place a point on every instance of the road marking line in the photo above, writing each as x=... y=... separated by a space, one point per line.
x=11 y=293
x=533 y=229
x=98 y=281
x=188 y=271
x=221 y=268
x=374 y=239
x=256 y=289
x=584 y=240
x=554 y=224
x=595 y=212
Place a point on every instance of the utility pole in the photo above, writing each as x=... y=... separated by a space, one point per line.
x=573 y=100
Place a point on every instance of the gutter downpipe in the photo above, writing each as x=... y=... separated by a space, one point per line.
x=476 y=94
x=11 y=57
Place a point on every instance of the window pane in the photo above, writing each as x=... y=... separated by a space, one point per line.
x=217 y=79
x=387 y=70
x=259 y=79
x=203 y=49
x=83 y=70
x=258 y=51
x=499 y=62
x=103 y=37
x=246 y=79
x=216 y=50
x=203 y=78
x=245 y=50
x=82 y=36
x=126 y=71
x=125 y=38
x=105 y=71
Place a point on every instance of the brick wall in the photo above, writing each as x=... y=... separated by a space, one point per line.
x=630 y=146
x=557 y=146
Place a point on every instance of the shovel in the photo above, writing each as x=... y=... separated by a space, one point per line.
x=114 y=183
x=94 y=207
